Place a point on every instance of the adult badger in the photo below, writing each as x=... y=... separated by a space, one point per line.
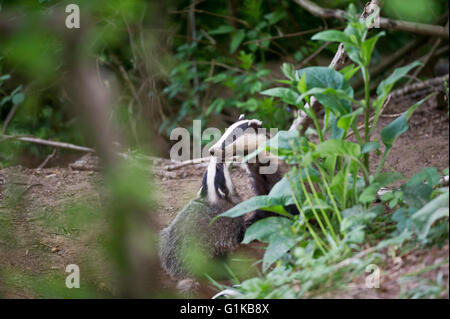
x=191 y=228
x=242 y=138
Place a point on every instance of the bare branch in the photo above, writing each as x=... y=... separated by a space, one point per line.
x=385 y=23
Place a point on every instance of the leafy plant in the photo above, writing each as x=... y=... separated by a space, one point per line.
x=330 y=182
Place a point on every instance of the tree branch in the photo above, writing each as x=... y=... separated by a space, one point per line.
x=385 y=23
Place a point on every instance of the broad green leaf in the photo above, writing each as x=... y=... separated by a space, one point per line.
x=430 y=175
x=338 y=148
x=288 y=96
x=425 y=217
x=282 y=189
x=327 y=78
x=393 y=130
x=279 y=244
x=332 y=36
x=249 y=205
x=262 y=229
x=369 y=147
x=400 y=125
x=236 y=40
x=387 y=84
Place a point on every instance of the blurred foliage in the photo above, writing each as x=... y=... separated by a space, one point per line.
x=164 y=76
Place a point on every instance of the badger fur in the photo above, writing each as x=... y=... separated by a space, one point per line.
x=192 y=228
x=243 y=138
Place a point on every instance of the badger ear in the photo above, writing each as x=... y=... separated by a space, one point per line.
x=255 y=122
x=241 y=117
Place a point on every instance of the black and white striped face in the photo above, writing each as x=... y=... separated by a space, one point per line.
x=216 y=182
x=240 y=139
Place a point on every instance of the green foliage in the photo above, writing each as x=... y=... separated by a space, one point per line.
x=329 y=181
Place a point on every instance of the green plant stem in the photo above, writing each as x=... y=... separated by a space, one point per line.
x=383 y=160
x=313 y=115
x=325 y=217
x=302 y=213
x=366 y=76
x=316 y=215
x=329 y=193
x=356 y=132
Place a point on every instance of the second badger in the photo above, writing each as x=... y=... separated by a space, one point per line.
x=191 y=229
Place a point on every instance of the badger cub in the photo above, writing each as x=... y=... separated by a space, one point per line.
x=191 y=229
x=242 y=138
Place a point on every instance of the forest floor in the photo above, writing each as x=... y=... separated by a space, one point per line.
x=38 y=240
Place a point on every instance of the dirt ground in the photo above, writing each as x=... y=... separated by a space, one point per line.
x=34 y=240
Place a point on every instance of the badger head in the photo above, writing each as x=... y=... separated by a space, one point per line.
x=240 y=139
x=217 y=184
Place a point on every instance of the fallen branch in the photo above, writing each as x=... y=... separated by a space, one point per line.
x=385 y=23
x=428 y=84
x=41 y=141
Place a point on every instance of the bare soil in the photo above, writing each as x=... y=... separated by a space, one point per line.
x=34 y=241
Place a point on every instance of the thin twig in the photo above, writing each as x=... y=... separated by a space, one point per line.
x=213 y=14
x=47 y=159
x=289 y=35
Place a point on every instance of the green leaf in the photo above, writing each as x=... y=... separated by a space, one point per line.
x=332 y=82
x=367 y=47
x=5 y=77
x=236 y=40
x=249 y=205
x=387 y=84
x=223 y=29
x=273 y=230
x=349 y=71
x=383 y=179
x=301 y=85
x=393 y=130
x=288 y=71
x=430 y=175
x=279 y=245
x=332 y=36
x=288 y=96
x=262 y=229
x=425 y=217
x=346 y=121
x=282 y=189
x=18 y=98
x=275 y=16
x=334 y=147
x=369 y=147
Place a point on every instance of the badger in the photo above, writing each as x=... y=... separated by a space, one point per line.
x=242 y=138
x=192 y=228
